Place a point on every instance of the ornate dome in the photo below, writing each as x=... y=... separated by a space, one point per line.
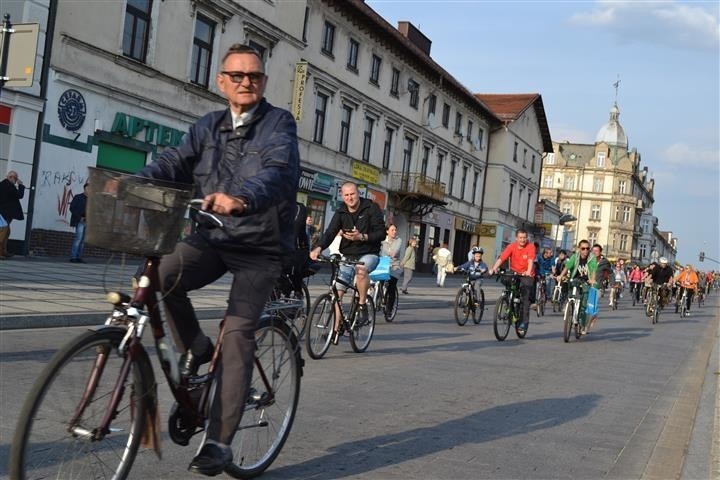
x=612 y=132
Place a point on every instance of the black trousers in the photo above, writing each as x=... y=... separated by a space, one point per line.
x=527 y=287
x=194 y=264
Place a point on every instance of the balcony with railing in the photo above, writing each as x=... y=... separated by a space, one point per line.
x=416 y=193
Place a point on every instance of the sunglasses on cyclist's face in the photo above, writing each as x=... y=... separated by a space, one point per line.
x=584 y=248
x=239 y=77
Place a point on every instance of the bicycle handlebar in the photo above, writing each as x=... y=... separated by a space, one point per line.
x=196 y=204
x=338 y=259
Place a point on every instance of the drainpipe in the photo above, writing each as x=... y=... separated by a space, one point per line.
x=47 y=52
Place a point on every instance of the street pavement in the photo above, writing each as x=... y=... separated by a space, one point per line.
x=430 y=399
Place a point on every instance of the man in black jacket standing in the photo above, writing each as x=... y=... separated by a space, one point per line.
x=11 y=191
x=244 y=163
x=77 y=220
x=363 y=230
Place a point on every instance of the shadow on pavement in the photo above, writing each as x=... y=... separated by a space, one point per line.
x=362 y=457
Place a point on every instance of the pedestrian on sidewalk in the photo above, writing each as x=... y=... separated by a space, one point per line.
x=11 y=191
x=408 y=263
x=78 y=207
x=443 y=260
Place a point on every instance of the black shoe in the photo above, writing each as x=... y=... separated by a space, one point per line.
x=73 y=260
x=212 y=460
x=189 y=363
x=362 y=314
x=405 y=292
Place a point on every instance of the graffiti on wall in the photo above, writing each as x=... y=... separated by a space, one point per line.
x=63 y=185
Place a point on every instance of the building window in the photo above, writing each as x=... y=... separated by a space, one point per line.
x=617 y=213
x=626 y=214
x=527 y=210
x=510 y=197
x=438 y=169
x=468 y=134
x=353 y=49
x=451 y=180
x=367 y=138
x=446 y=115
x=387 y=148
x=345 y=128
x=600 y=159
x=524 y=157
x=481 y=134
x=550 y=159
x=261 y=49
x=395 y=83
x=137 y=29
x=623 y=242
x=598 y=184
x=645 y=225
x=407 y=156
x=643 y=250
x=458 y=123
x=425 y=160
x=515 y=152
x=595 y=212
x=622 y=186
x=375 y=70
x=432 y=103
x=463 y=181
x=592 y=237
x=548 y=182
x=328 y=39
x=305 y=24
x=476 y=176
x=569 y=183
x=320 y=111
x=414 y=89
x=532 y=164
x=202 y=51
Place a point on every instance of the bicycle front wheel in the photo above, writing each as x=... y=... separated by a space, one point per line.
x=56 y=435
x=320 y=327
x=390 y=308
x=567 y=320
x=462 y=306
x=272 y=403
x=480 y=308
x=502 y=322
x=361 y=332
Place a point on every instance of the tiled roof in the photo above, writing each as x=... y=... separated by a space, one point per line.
x=509 y=106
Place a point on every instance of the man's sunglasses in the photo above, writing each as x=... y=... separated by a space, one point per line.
x=584 y=248
x=238 y=77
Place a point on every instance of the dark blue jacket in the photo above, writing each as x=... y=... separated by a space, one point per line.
x=77 y=209
x=258 y=162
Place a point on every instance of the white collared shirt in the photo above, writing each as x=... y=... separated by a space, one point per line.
x=244 y=118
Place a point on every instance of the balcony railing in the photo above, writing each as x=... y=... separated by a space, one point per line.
x=416 y=183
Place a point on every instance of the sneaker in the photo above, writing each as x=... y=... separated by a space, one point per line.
x=687 y=314
x=521 y=327
x=363 y=314
x=405 y=292
x=583 y=331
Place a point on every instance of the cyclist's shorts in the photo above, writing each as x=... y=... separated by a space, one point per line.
x=347 y=272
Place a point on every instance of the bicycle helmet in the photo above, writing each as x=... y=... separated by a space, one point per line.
x=477 y=250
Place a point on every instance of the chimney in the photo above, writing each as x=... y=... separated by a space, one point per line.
x=409 y=31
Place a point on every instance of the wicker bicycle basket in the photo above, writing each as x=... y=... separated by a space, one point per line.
x=131 y=214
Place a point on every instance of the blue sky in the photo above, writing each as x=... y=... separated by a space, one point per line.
x=667 y=55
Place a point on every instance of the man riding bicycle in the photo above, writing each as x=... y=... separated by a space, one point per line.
x=363 y=229
x=522 y=259
x=688 y=280
x=544 y=270
x=618 y=279
x=662 y=276
x=582 y=266
x=244 y=163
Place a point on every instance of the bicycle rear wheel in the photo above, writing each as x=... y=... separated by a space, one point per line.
x=270 y=408
x=390 y=308
x=320 y=326
x=47 y=445
x=480 y=308
x=462 y=306
x=361 y=333
x=502 y=321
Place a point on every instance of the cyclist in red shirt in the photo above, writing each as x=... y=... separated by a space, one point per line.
x=522 y=258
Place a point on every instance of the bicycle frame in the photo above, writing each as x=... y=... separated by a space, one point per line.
x=337 y=297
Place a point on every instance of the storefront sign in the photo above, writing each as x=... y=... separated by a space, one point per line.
x=312 y=181
x=365 y=171
x=299 y=89
x=378 y=197
x=486 y=230
x=129 y=126
x=465 y=225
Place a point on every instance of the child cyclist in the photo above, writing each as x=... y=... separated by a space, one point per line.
x=475 y=267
